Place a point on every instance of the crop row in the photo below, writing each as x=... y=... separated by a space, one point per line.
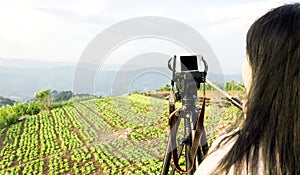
x=120 y=116
x=130 y=114
x=149 y=104
x=58 y=165
x=69 y=140
x=10 y=143
x=11 y=171
x=112 y=115
x=134 y=106
x=85 y=130
x=111 y=163
x=34 y=167
x=155 y=147
x=47 y=135
x=138 y=156
x=142 y=110
x=147 y=133
x=145 y=127
x=141 y=127
x=1 y=131
x=29 y=143
x=101 y=126
x=83 y=161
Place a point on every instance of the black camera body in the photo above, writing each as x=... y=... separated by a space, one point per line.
x=186 y=74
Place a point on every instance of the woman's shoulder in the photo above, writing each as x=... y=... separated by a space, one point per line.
x=225 y=140
x=219 y=148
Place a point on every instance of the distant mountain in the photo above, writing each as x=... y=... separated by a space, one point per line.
x=20 y=79
x=30 y=63
x=24 y=82
x=6 y=101
x=124 y=82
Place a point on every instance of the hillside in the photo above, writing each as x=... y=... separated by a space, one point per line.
x=112 y=135
x=30 y=76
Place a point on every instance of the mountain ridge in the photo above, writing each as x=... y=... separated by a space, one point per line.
x=21 y=82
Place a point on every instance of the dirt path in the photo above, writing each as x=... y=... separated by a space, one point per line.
x=3 y=135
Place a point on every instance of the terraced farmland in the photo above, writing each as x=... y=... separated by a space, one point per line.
x=112 y=135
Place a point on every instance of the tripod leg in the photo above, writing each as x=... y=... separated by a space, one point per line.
x=167 y=159
x=188 y=145
x=203 y=143
x=171 y=145
x=199 y=156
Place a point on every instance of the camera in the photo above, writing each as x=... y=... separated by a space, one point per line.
x=185 y=71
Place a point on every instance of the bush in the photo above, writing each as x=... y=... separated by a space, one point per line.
x=8 y=116
x=34 y=107
x=11 y=114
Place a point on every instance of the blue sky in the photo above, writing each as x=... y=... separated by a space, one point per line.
x=60 y=30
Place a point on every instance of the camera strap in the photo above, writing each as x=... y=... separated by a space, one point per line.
x=195 y=143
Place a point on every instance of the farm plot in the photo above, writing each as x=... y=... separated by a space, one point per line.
x=112 y=135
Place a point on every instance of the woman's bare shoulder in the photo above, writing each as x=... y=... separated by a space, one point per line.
x=219 y=148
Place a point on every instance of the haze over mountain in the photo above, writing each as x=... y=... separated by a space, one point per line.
x=20 y=78
x=31 y=63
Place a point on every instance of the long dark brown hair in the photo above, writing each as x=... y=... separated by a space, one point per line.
x=269 y=141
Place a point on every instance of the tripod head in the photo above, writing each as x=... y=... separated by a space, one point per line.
x=186 y=68
x=186 y=75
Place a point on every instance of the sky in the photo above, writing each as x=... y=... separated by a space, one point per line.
x=60 y=30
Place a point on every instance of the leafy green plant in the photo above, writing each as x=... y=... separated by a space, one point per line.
x=109 y=135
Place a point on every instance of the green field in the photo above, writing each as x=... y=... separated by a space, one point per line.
x=111 y=135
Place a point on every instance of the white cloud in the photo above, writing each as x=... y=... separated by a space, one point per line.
x=226 y=28
x=62 y=29
x=40 y=34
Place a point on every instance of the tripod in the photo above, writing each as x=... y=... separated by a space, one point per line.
x=193 y=142
x=195 y=145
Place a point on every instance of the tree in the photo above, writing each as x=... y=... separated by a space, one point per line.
x=61 y=96
x=45 y=98
x=33 y=108
x=167 y=87
x=20 y=108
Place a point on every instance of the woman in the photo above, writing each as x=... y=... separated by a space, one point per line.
x=269 y=142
